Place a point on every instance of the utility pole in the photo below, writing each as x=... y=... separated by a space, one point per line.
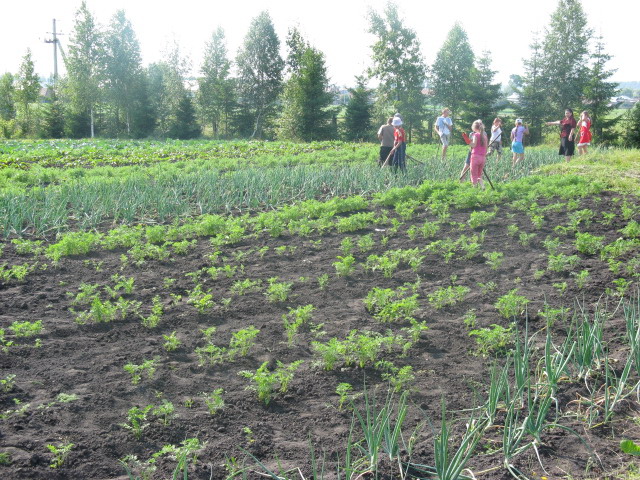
x=55 y=42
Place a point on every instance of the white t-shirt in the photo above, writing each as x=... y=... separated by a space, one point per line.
x=444 y=125
x=496 y=134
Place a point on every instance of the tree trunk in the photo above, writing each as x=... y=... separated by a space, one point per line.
x=92 y=124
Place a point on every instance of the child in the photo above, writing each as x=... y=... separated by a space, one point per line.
x=495 y=144
x=443 y=127
x=478 y=153
x=585 y=133
x=517 y=136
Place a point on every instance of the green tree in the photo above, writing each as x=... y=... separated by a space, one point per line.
x=53 y=119
x=216 y=95
x=483 y=94
x=533 y=105
x=27 y=92
x=7 y=97
x=185 y=125
x=260 y=76
x=167 y=82
x=598 y=93
x=398 y=67
x=452 y=70
x=307 y=113
x=84 y=69
x=565 y=55
x=296 y=46
x=123 y=74
x=358 y=114
x=156 y=74
x=632 y=127
x=141 y=115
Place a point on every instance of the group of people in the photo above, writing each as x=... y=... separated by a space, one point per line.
x=393 y=141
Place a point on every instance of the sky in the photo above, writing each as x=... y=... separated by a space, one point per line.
x=336 y=27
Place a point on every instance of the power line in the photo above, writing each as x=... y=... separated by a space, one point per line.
x=56 y=43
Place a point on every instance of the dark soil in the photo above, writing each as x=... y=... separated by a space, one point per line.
x=88 y=360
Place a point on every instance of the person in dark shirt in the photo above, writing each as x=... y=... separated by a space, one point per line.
x=567 y=134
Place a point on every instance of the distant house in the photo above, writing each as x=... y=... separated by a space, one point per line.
x=342 y=96
x=513 y=98
x=46 y=94
x=622 y=101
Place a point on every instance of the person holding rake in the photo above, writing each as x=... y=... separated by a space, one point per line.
x=479 y=143
x=398 y=152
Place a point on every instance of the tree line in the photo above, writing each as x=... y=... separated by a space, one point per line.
x=260 y=95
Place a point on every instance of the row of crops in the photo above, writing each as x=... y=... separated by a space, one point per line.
x=324 y=320
x=191 y=179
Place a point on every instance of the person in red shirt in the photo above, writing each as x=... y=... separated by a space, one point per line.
x=585 y=133
x=399 y=146
x=567 y=134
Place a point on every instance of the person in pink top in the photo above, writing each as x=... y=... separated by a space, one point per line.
x=479 y=145
x=585 y=133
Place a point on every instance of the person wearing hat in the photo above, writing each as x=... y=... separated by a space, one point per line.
x=517 y=137
x=444 y=126
x=385 y=135
x=567 y=132
x=399 y=146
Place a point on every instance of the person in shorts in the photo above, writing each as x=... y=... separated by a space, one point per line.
x=567 y=134
x=444 y=127
x=385 y=135
x=517 y=141
x=495 y=143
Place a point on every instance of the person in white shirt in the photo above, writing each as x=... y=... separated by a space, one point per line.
x=495 y=143
x=444 y=127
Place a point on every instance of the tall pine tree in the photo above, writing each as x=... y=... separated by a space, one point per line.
x=598 y=93
x=84 y=69
x=452 y=70
x=123 y=77
x=398 y=67
x=7 y=97
x=307 y=113
x=565 y=53
x=357 y=116
x=533 y=105
x=483 y=93
x=216 y=95
x=260 y=76
x=27 y=92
